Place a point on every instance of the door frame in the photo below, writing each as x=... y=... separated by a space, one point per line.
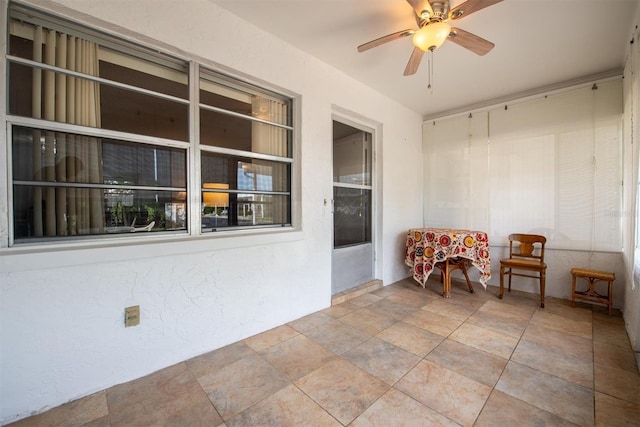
x=364 y=124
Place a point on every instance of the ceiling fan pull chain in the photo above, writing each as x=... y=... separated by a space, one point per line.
x=430 y=69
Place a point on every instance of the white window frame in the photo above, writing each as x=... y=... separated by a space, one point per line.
x=192 y=147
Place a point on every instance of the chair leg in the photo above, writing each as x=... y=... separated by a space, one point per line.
x=610 y=296
x=448 y=285
x=501 y=294
x=463 y=267
x=543 y=280
x=509 y=280
x=446 y=291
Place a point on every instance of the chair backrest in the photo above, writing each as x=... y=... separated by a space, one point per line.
x=527 y=246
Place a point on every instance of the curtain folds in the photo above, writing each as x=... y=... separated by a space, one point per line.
x=272 y=140
x=60 y=157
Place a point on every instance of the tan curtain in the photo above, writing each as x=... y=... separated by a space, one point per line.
x=272 y=140
x=66 y=158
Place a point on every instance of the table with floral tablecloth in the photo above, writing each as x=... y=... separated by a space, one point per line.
x=427 y=246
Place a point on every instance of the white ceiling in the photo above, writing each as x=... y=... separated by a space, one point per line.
x=540 y=44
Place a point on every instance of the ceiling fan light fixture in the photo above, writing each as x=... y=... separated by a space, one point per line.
x=431 y=36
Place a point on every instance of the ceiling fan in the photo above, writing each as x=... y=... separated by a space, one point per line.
x=432 y=17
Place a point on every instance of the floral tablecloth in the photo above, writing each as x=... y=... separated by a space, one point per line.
x=427 y=246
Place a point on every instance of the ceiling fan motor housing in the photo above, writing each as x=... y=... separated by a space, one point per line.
x=440 y=10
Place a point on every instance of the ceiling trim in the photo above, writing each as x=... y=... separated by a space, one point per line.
x=528 y=95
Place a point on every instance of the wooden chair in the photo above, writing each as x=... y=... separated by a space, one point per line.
x=526 y=252
x=447 y=267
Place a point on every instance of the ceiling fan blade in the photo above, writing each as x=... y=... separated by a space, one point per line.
x=470 y=6
x=384 y=39
x=414 y=61
x=475 y=44
x=419 y=6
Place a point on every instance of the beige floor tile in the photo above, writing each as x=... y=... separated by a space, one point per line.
x=445 y=307
x=297 y=357
x=494 y=323
x=560 y=341
x=504 y=410
x=520 y=314
x=240 y=385
x=342 y=389
x=368 y=321
x=571 y=368
x=386 y=291
x=492 y=342
x=382 y=359
x=452 y=395
x=395 y=408
x=498 y=322
x=339 y=310
x=433 y=287
x=611 y=330
x=288 y=407
x=89 y=409
x=170 y=396
x=99 y=422
x=311 y=321
x=218 y=359
x=414 y=299
x=614 y=412
x=600 y=309
x=563 y=308
x=478 y=365
x=365 y=300
x=409 y=284
x=488 y=294
x=433 y=322
x=519 y=298
x=612 y=356
x=618 y=383
x=411 y=338
x=560 y=397
x=271 y=337
x=461 y=296
x=579 y=328
x=392 y=309
x=337 y=336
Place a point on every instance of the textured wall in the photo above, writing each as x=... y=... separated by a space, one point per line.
x=61 y=310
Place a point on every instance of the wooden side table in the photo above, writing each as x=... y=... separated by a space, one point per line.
x=590 y=294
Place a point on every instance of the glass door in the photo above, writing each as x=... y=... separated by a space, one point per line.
x=352 y=208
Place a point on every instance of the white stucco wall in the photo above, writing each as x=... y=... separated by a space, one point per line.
x=631 y=309
x=61 y=311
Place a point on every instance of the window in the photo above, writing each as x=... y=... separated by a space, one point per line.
x=245 y=138
x=100 y=139
x=67 y=185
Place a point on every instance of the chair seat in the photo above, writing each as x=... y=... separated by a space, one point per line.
x=596 y=274
x=522 y=263
x=591 y=294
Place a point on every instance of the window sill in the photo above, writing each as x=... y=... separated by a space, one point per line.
x=39 y=257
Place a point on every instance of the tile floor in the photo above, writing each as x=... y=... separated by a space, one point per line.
x=399 y=356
